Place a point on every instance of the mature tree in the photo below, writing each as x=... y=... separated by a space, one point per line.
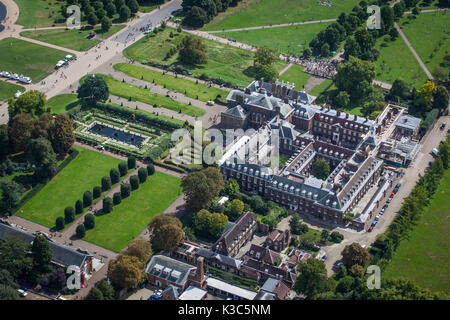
x=296 y=225
x=201 y=187
x=106 y=24
x=123 y=168
x=365 y=39
x=139 y=248
x=193 y=51
x=266 y=71
x=69 y=214
x=321 y=169
x=92 y=19
x=196 y=17
x=110 y=9
x=31 y=102
x=403 y=289
x=133 y=5
x=61 y=134
x=312 y=279
x=94 y=89
x=126 y=271
x=11 y=194
x=7 y=279
x=40 y=153
x=59 y=223
x=106 y=289
x=87 y=199
x=5 y=144
x=142 y=173
x=107 y=205
x=342 y=99
x=166 y=232
x=134 y=182
x=387 y=19
x=43 y=126
x=355 y=71
x=106 y=183
x=114 y=174
x=58 y=279
x=8 y=293
x=150 y=169
x=210 y=224
x=117 y=198
x=125 y=190
x=94 y=294
x=355 y=254
x=14 y=256
x=80 y=231
x=264 y=56
x=399 y=9
x=234 y=209
x=399 y=89
x=231 y=187
x=441 y=98
x=41 y=253
x=351 y=48
x=20 y=132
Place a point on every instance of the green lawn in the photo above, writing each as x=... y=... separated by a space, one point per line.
x=71 y=39
x=295 y=75
x=125 y=90
x=397 y=62
x=193 y=90
x=428 y=34
x=39 y=13
x=290 y=40
x=29 y=59
x=318 y=89
x=224 y=61
x=68 y=186
x=115 y=230
x=7 y=90
x=424 y=256
x=62 y=103
x=252 y=13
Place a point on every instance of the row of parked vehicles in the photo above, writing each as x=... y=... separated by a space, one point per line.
x=61 y=63
x=15 y=76
x=383 y=210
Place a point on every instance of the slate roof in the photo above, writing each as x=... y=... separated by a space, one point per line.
x=408 y=122
x=62 y=254
x=237 y=112
x=276 y=287
x=226 y=260
x=171 y=291
x=262 y=254
x=262 y=295
x=170 y=269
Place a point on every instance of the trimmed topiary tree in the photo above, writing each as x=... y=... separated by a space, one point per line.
x=97 y=192
x=87 y=199
x=59 y=223
x=69 y=214
x=106 y=183
x=143 y=174
x=123 y=168
x=150 y=169
x=117 y=198
x=78 y=207
x=114 y=174
x=80 y=231
x=89 y=221
x=107 y=205
x=131 y=162
x=125 y=190
x=134 y=182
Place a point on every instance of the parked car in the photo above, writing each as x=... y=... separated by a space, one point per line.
x=337 y=265
x=154 y=297
x=22 y=293
x=370 y=229
x=389 y=200
x=374 y=223
x=378 y=216
x=323 y=258
x=392 y=195
x=385 y=206
x=434 y=152
x=210 y=103
x=443 y=126
x=158 y=292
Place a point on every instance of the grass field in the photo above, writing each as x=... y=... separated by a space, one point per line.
x=62 y=103
x=397 y=62
x=39 y=13
x=115 y=230
x=29 y=59
x=252 y=13
x=125 y=90
x=290 y=40
x=68 y=186
x=181 y=85
x=424 y=256
x=71 y=39
x=318 y=89
x=428 y=34
x=224 y=61
x=295 y=75
x=7 y=90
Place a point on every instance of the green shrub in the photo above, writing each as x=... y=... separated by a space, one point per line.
x=89 y=221
x=106 y=183
x=59 y=223
x=107 y=205
x=142 y=173
x=125 y=190
x=117 y=198
x=69 y=214
x=336 y=237
x=114 y=174
x=80 y=231
x=123 y=168
x=134 y=182
x=150 y=169
x=131 y=162
x=97 y=192
x=87 y=199
x=78 y=207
